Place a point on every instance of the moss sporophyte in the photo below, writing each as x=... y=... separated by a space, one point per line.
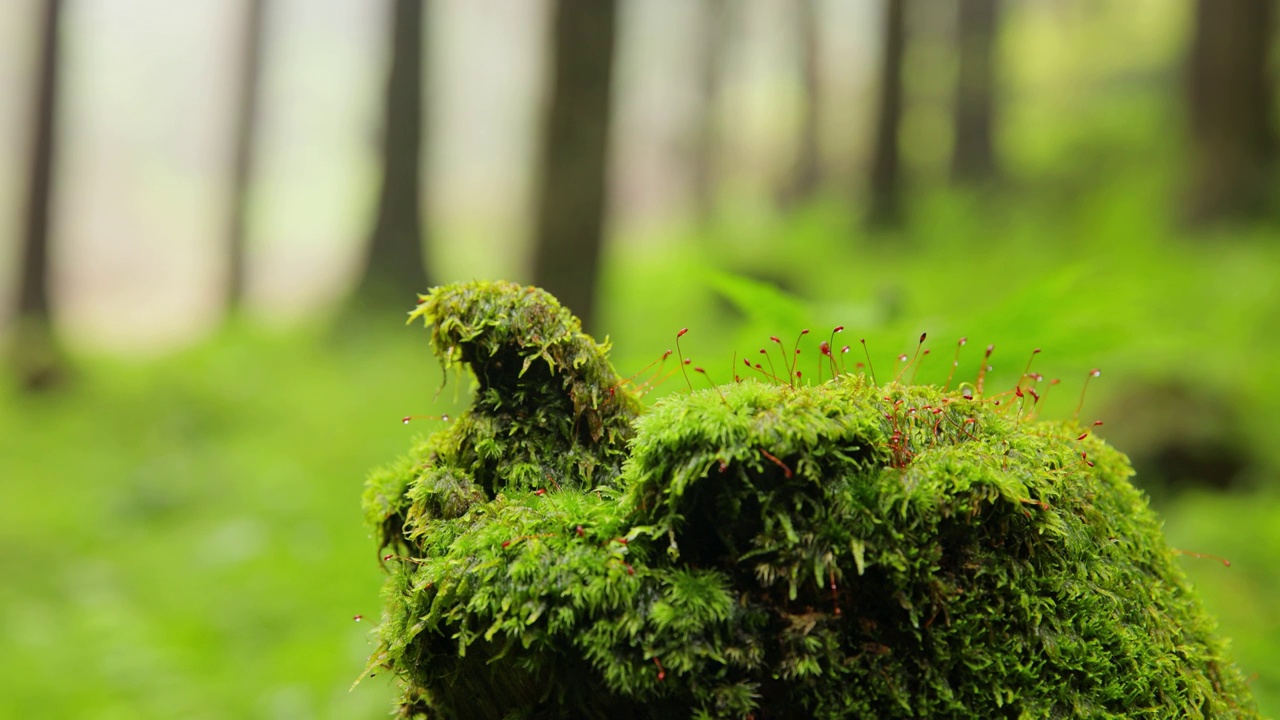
x=769 y=548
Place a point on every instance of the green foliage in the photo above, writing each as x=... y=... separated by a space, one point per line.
x=761 y=302
x=818 y=551
x=180 y=536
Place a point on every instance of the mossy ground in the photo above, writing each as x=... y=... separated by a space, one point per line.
x=843 y=549
x=185 y=532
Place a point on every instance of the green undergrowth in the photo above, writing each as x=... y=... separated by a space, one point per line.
x=1240 y=528
x=839 y=549
x=179 y=537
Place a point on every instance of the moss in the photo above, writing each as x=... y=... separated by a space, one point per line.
x=828 y=551
x=549 y=410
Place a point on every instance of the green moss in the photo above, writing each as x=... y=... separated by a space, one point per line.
x=549 y=410
x=829 y=551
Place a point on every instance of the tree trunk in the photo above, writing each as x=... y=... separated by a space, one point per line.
x=571 y=203
x=806 y=174
x=1229 y=104
x=245 y=142
x=35 y=355
x=705 y=145
x=395 y=272
x=885 y=186
x=973 y=158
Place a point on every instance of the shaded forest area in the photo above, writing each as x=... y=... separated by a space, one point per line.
x=216 y=216
x=1226 y=99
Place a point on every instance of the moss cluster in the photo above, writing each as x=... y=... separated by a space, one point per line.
x=839 y=550
x=548 y=412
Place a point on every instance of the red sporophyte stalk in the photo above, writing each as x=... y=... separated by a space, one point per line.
x=786 y=471
x=1026 y=371
x=868 y=355
x=1028 y=398
x=1092 y=374
x=755 y=367
x=714 y=386
x=923 y=355
x=982 y=371
x=657 y=377
x=643 y=387
x=1085 y=434
x=1204 y=556
x=683 y=362
x=773 y=373
x=913 y=357
x=786 y=362
x=795 y=355
x=831 y=341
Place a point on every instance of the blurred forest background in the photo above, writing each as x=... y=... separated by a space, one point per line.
x=215 y=213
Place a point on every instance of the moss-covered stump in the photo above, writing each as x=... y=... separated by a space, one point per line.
x=842 y=550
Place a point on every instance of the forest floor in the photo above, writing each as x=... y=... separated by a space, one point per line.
x=182 y=537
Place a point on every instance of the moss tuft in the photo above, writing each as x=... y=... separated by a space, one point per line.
x=549 y=410
x=828 y=551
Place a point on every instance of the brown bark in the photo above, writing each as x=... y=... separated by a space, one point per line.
x=33 y=299
x=571 y=202
x=1229 y=107
x=885 y=184
x=973 y=157
x=35 y=354
x=245 y=147
x=395 y=271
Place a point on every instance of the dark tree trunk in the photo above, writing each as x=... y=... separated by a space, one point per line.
x=395 y=272
x=1229 y=98
x=705 y=144
x=885 y=186
x=806 y=174
x=571 y=203
x=973 y=158
x=35 y=354
x=245 y=142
